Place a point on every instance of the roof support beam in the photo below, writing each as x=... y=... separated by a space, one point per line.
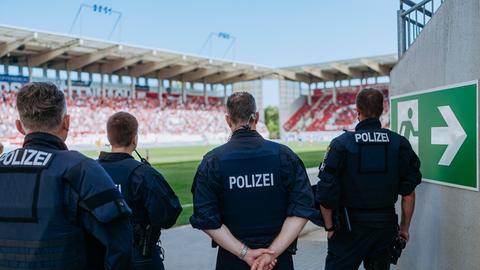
x=83 y=60
x=243 y=78
x=375 y=66
x=175 y=71
x=150 y=67
x=323 y=75
x=222 y=76
x=122 y=63
x=199 y=74
x=346 y=70
x=44 y=57
x=294 y=76
x=6 y=48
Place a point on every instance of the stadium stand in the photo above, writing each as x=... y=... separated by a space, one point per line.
x=326 y=115
x=173 y=121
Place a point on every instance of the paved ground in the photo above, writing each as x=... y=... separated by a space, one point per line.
x=187 y=248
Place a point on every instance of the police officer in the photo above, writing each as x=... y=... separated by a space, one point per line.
x=154 y=204
x=360 y=179
x=51 y=198
x=250 y=195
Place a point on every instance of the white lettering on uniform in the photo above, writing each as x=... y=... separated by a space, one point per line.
x=14 y=161
x=372 y=137
x=232 y=180
x=251 y=181
x=241 y=180
x=358 y=136
x=26 y=157
x=9 y=158
x=29 y=161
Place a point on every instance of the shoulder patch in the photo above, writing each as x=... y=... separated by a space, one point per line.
x=26 y=158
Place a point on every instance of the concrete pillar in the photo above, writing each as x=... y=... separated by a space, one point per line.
x=184 y=86
x=30 y=74
x=334 y=94
x=224 y=93
x=160 y=91
x=69 y=83
x=309 y=97
x=205 y=96
x=132 y=88
x=102 y=84
x=44 y=70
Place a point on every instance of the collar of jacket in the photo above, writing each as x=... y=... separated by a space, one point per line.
x=371 y=123
x=44 y=140
x=109 y=156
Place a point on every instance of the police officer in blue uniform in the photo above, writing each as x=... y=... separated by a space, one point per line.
x=51 y=198
x=360 y=179
x=154 y=204
x=250 y=195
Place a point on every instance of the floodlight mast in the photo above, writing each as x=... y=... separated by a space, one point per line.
x=98 y=9
x=223 y=36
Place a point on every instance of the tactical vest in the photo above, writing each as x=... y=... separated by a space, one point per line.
x=253 y=201
x=370 y=177
x=34 y=230
x=120 y=172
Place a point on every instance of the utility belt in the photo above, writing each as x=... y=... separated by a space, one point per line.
x=145 y=239
x=344 y=217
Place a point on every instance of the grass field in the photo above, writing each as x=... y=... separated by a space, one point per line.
x=179 y=164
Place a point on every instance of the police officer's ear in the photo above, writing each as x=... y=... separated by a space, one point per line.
x=19 y=126
x=64 y=127
x=257 y=116
x=135 y=141
x=229 y=120
x=66 y=123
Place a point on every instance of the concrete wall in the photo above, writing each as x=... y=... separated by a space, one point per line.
x=445 y=233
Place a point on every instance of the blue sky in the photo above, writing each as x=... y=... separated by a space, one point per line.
x=274 y=33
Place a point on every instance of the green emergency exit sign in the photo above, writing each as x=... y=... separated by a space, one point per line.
x=442 y=126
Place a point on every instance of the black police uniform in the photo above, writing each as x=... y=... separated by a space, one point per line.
x=362 y=175
x=251 y=185
x=154 y=205
x=50 y=200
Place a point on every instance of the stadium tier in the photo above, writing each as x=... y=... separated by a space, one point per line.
x=326 y=114
x=166 y=122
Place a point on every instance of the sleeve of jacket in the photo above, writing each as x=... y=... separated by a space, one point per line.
x=205 y=190
x=295 y=178
x=328 y=187
x=91 y=197
x=158 y=197
x=409 y=168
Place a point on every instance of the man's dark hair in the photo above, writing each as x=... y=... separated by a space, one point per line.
x=370 y=102
x=41 y=106
x=241 y=106
x=122 y=127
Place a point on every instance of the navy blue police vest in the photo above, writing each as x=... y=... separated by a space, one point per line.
x=120 y=172
x=254 y=201
x=370 y=178
x=35 y=233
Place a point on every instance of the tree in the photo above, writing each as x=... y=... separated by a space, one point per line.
x=272 y=122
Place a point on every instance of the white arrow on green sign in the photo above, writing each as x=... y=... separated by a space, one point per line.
x=442 y=126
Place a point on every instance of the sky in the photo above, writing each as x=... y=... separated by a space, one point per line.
x=273 y=33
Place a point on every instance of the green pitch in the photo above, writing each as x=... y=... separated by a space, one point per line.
x=179 y=164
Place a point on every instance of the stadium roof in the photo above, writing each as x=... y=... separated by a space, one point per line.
x=24 y=47
x=358 y=68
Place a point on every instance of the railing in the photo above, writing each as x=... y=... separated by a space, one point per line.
x=412 y=18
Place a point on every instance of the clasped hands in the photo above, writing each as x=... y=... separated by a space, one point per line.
x=260 y=259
